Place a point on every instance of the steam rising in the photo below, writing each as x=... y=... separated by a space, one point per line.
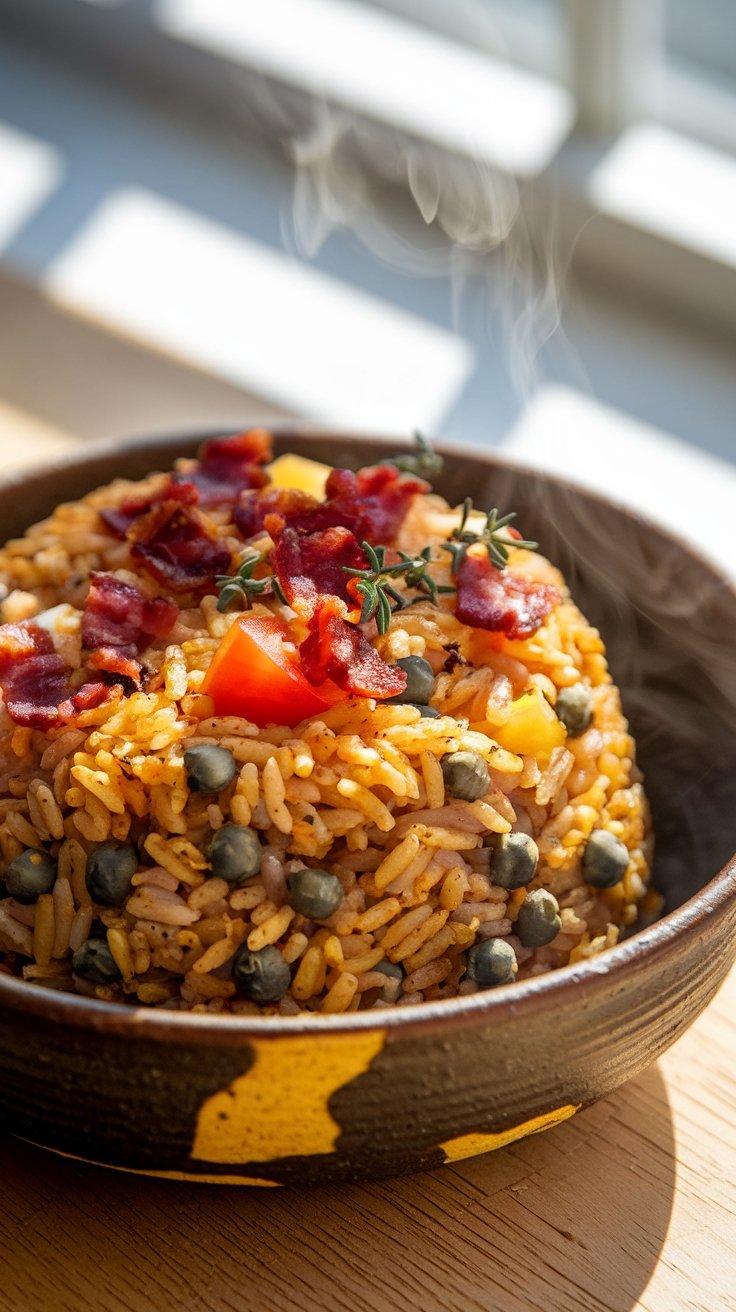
x=475 y=233
x=665 y=620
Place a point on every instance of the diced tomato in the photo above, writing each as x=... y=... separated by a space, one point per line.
x=254 y=675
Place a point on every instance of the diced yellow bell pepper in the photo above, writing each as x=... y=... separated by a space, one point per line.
x=532 y=729
x=296 y=471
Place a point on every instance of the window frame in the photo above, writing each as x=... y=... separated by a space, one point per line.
x=614 y=43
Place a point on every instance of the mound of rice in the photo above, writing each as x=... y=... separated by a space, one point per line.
x=357 y=791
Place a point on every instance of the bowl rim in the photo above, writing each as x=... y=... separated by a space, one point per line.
x=547 y=991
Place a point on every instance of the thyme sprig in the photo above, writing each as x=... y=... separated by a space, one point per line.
x=380 y=598
x=491 y=537
x=422 y=461
x=242 y=587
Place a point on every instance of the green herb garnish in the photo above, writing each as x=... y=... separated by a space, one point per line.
x=242 y=587
x=380 y=597
x=422 y=461
x=490 y=536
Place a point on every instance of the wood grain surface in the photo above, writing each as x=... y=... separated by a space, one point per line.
x=629 y=1206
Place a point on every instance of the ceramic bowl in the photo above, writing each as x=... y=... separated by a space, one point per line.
x=316 y=1099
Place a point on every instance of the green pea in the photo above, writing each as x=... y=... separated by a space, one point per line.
x=235 y=853
x=110 y=869
x=314 y=893
x=573 y=708
x=605 y=859
x=29 y=875
x=263 y=976
x=419 y=680
x=492 y=961
x=514 y=860
x=538 y=921
x=94 y=961
x=466 y=775
x=209 y=768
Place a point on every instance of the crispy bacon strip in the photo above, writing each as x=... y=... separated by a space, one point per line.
x=371 y=503
x=340 y=651
x=226 y=467
x=310 y=566
x=119 y=518
x=229 y=465
x=494 y=599
x=117 y=621
x=86 y=698
x=177 y=546
x=254 y=508
x=120 y=664
x=34 y=679
x=117 y=614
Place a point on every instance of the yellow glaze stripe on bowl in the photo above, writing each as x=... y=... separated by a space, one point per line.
x=279 y=1107
x=472 y=1145
x=195 y=1177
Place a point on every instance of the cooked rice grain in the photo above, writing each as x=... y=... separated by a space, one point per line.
x=358 y=790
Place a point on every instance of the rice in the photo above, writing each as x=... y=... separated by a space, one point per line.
x=357 y=791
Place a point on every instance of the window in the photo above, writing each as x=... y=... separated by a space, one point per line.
x=148 y=150
x=697 y=70
x=599 y=98
x=530 y=33
x=671 y=60
x=612 y=62
x=701 y=38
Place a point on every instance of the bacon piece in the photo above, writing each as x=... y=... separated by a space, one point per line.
x=32 y=675
x=371 y=503
x=310 y=566
x=310 y=573
x=34 y=679
x=254 y=508
x=119 y=518
x=494 y=599
x=377 y=499
x=340 y=651
x=254 y=446
x=226 y=467
x=177 y=546
x=89 y=696
x=119 y=663
x=313 y=541
x=117 y=620
x=229 y=465
x=117 y=614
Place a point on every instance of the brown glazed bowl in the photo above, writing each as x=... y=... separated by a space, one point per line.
x=329 y=1098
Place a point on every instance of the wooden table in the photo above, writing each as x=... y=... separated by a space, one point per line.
x=631 y=1205
x=628 y=1206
